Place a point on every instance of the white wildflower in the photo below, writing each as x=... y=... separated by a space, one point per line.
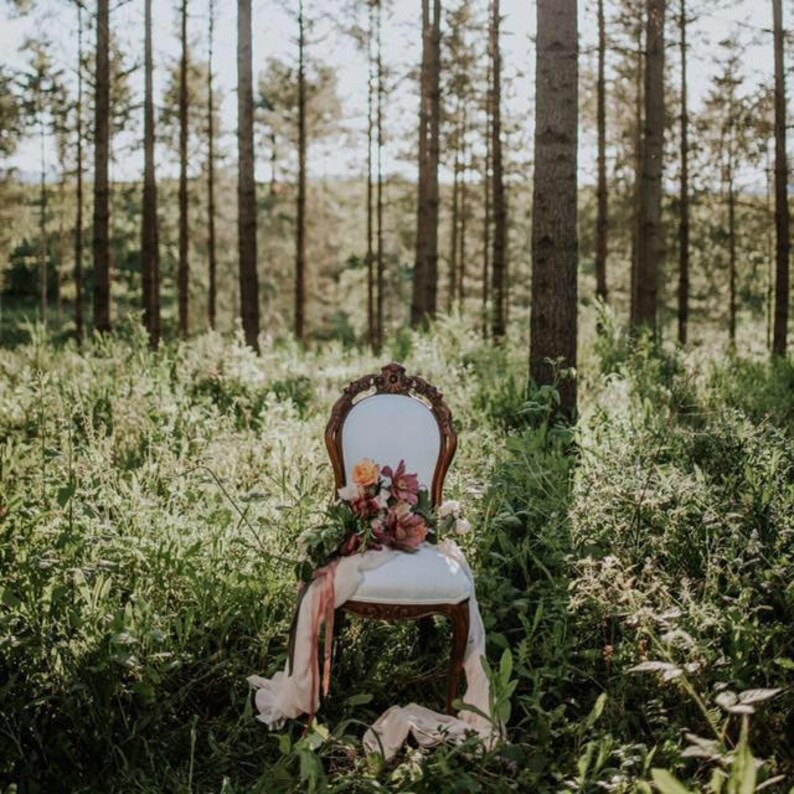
x=462 y=526
x=449 y=508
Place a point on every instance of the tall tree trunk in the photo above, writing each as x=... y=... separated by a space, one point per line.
x=184 y=262
x=731 y=249
x=464 y=211
x=602 y=219
x=486 y=226
x=78 y=223
x=42 y=211
x=781 y=192
x=637 y=192
x=683 y=226
x=379 y=187
x=771 y=247
x=101 y=242
x=425 y=281
x=454 y=219
x=211 y=244
x=300 y=238
x=498 y=262
x=61 y=245
x=370 y=260
x=149 y=248
x=553 y=326
x=246 y=186
x=651 y=244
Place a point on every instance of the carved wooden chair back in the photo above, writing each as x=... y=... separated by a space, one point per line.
x=390 y=416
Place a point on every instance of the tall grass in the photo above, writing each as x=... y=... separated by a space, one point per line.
x=149 y=510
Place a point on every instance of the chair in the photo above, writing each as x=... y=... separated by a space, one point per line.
x=389 y=416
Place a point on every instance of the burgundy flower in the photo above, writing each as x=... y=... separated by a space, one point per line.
x=404 y=487
x=406 y=529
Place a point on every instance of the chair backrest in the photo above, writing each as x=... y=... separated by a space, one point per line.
x=388 y=417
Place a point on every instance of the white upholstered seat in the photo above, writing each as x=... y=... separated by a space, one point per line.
x=425 y=577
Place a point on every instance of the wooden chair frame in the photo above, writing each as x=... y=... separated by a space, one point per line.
x=393 y=380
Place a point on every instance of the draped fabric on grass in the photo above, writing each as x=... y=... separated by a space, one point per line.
x=296 y=690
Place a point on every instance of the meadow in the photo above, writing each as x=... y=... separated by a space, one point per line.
x=635 y=571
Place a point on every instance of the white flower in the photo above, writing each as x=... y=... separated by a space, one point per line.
x=382 y=499
x=349 y=493
x=449 y=508
x=462 y=526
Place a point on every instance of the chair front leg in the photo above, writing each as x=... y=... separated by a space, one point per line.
x=459 y=615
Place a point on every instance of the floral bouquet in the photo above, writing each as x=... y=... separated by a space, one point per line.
x=381 y=507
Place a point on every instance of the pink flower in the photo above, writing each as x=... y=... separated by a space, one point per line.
x=404 y=487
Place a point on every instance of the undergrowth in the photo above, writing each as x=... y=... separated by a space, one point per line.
x=634 y=571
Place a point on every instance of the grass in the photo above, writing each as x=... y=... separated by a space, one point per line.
x=149 y=507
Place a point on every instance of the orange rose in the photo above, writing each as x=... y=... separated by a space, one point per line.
x=366 y=472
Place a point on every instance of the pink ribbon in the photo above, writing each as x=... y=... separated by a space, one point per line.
x=324 y=612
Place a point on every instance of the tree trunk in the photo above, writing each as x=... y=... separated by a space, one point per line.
x=184 y=262
x=602 y=219
x=731 y=250
x=683 y=227
x=637 y=192
x=464 y=212
x=42 y=211
x=211 y=245
x=781 y=192
x=454 y=220
x=101 y=241
x=379 y=187
x=300 y=238
x=425 y=281
x=651 y=244
x=149 y=247
x=498 y=262
x=246 y=186
x=78 y=223
x=553 y=327
x=370 y=260
x=486 y=226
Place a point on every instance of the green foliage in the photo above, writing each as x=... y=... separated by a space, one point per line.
x=634 y=571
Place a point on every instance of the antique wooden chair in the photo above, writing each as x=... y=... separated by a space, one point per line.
x=389 y=417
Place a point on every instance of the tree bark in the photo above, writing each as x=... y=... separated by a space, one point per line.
x=498 y=261
x=300 y=237
x=370 y=258
x=149 y=248
x=637 y=192
x=553 y=325
x=425 y=281
x=602 y=219
x=486 y=226
x=101 y=240
x=683 y=226
x=650 y=245
x=454 y=220
x=78 y=223
x=42 y=207
x=781 y=192
x=464 y=211
x=184 y=262
x=379 y=185
x=211 y=244
x=246 y=186
x=731 y=249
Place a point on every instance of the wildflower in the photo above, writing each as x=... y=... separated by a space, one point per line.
x=449 y=508
x=462 y=526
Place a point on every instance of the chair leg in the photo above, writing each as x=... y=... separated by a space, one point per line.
x=459 y=615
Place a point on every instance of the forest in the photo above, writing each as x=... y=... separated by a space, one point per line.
x=571 y=217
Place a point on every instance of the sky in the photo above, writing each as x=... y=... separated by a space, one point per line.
x=274 y=31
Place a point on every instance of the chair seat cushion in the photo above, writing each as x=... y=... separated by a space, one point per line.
x=425 y=576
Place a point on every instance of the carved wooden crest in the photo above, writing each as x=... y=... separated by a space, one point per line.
x=393 y=380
